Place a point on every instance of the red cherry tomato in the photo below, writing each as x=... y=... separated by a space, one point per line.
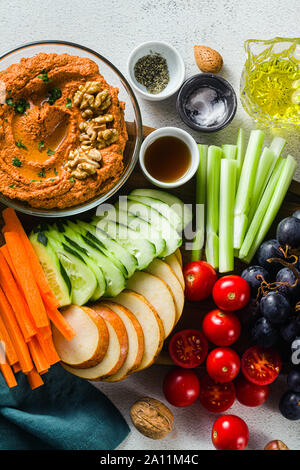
x=214 y=396
x=250 y=394
x=231 y=293
x=199 y=279
x=261 y=366
x=188 y=348
x=181 y=387
x=230 y=432
x=223 y=364
x=221 y=328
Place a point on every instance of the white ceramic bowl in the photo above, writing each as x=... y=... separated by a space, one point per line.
x=187 y=139
x=175 y=65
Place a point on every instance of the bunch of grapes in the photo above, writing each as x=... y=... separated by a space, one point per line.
x=274 y=312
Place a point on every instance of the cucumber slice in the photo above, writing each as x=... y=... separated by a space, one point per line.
x=55 y=273
x=165 y=210
x=140 y=248
x=157 y=221
x=82 y=278
x=114 y=278
x=144 y=229
x=182 y=210
x=70 y=238
x=121 y=257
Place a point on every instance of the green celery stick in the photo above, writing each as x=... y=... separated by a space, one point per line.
x=229 y=151
x=227 y=198
x=212 y=205
x=198 y=242
x=264 y=173
x=240 y=143
x=286 y=173
x=246 y=185
x=265 y=163
x=261 y=210
x=277 y=145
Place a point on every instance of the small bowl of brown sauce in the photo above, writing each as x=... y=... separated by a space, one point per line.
x=206 y=102
x=169 y=157
x=156 y=70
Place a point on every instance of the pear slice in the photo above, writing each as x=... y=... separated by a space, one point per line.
x=158 y=294
x=135 y=341
x=150 y=322
x=116 y=352
x=90 y=344
x=164 y=272
x=173 y=262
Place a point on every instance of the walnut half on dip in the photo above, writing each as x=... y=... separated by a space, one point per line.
x=93 y=102
x=62 y=131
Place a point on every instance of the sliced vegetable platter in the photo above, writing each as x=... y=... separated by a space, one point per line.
x=192 y=317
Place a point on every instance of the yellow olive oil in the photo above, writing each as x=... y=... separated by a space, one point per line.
x=275 y=87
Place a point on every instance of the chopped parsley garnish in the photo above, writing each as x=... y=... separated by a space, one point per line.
x=55 y=171
x=5 y=120
x=72 y=180
x=31 y=181
x=11 y=186
x=20 y=144
x=44 y=76
x=41 y=145
x=42 y=173
x=16 y=162
x=52 y=179
x=21 y=106
x=68 y=103
x=54 y=94
x=50 y=152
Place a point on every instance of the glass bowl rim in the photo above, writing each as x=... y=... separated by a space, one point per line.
x=102 y=198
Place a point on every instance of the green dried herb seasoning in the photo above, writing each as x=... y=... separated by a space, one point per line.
x=152 y=71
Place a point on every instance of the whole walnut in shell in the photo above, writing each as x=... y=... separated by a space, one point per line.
x=207 y=59
x=151 y=418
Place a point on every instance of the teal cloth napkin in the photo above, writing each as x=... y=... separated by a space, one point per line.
x=66 y=413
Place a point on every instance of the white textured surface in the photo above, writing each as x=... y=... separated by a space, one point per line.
x=114 y=28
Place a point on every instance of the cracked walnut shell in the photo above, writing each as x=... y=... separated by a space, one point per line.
x=151 y=418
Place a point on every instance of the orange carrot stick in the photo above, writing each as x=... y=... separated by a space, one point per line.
x=55 y=316
x=38 y=355
x=26 y=278
x=14 y=225
x=5 y=252
x=16 y=300
x=5 y=368
x=48 y=349
x=8 y=317
x=8 y=375
x=61 y=324
x=7 y=344
x=45 y=332
x=34 y=379
x=16 y=367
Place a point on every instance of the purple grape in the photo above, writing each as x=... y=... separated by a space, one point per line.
x=296 y=214
x=293 y=380
x=288 y=232
x=269 y=249
x=264 y=334
x=292 y=290
x=253 y=275
x=289 y=405
x=291 y=330
x=275 y=307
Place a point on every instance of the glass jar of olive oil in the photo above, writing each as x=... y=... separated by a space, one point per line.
x=270 y=82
